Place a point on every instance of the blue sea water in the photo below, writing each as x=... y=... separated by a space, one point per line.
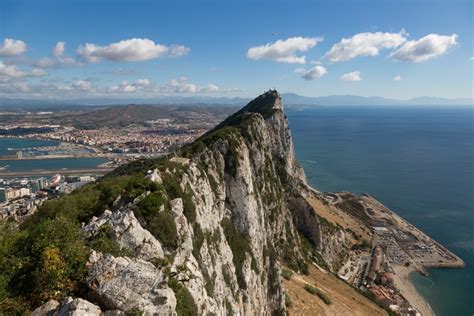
x=40 y=164
x=9 y=146
x=417 y=161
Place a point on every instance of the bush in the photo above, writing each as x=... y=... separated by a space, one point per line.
x=41 y=262
x=287 y=274
x=163 y=227
x=102 y=242
x=161 y=224
x=317 y=292
x=288 y=301
x=185 y=305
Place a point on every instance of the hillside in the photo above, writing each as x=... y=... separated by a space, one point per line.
x=121 y=116
x=207 y=232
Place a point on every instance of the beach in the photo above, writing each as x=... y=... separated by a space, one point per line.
x=402 y=282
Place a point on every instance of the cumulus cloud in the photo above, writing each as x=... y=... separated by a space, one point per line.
x=127 y=87
x=59 y=59
x=397 y=78
x=82 y=85
x=284 y=51
x=11 y=47
x=351 y=76
x=9 y=72
x=45 y=62
x=364 y=44
x=58 y=50
x=312 y=73
x=135 y=49
x=425 y=48
x=182 y=85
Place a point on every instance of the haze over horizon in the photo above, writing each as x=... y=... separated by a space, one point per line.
x=156 y=49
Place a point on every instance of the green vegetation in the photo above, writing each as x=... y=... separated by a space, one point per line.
x=40 y=262
x=364 y=245
x=240 y=246
x=228 y=307
x=288 y=301
x=185 y=305
x=317 y=292
x=135 y=311
x=103 y=242
x=45 y=257
x=286 y=273
x=159 y=222
x=198 y=240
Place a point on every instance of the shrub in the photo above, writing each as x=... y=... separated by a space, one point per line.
x=317 y=292
x=161 y=224
x=185 y=305
x=135 y=311
x=287 y=274
x=163 y=227
x=288 y=301
x=102 y=242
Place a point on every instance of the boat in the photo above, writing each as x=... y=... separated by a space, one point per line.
x=4 y=167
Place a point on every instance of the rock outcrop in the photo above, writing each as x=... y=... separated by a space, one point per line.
x=69 y=307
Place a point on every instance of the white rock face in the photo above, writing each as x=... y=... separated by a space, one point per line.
x=128 y=232
x=47 y=309
x=78 y=307
x=69 y=307
x=245 y=179
x=124 y=283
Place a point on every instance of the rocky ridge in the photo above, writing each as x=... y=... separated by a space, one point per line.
x=212 y=234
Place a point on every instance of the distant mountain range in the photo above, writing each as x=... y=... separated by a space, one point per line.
x=290 y=100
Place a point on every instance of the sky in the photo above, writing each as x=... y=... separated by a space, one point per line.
x=80 y=49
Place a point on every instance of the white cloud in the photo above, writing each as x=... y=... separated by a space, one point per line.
x=182 y=85
x=425 y=48
x=58 y=60
x=11 y=47
x=38 y=73
x=58 y=50
x=135 y=49
x=45 y=62
x=127 y=87
x=316 y=62
x=312 y=73
x=351 y=76
x=82 y=85
x=472 y=58
x=397 y=78
x=284 y=50
x=364 y=44
x=8 y=72
x=231 y=90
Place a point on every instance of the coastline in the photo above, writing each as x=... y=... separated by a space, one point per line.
x=402 y=281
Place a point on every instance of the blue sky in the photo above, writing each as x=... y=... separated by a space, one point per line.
x=149 y=48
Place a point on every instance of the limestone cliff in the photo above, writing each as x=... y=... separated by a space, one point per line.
x=211 y=234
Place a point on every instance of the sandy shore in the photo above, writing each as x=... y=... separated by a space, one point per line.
x=408 y=290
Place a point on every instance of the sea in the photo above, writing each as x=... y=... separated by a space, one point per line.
x=418 y=161
x=9 y=147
